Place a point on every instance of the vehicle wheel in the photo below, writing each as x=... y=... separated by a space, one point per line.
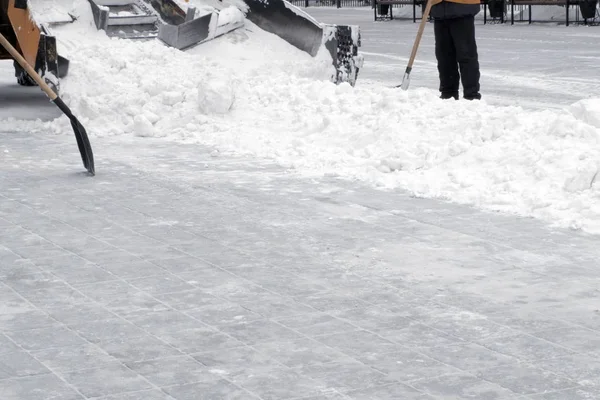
x=23 y=77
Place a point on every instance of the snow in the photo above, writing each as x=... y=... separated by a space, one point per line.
x=251 y=93
x=48 y=11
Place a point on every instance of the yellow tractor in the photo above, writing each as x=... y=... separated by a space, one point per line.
x=33 y=42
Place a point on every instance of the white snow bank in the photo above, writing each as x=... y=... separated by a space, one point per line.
x=252 y=93
x=51 y=11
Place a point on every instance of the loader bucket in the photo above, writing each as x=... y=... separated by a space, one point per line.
x=302 y=31
x=162 y=19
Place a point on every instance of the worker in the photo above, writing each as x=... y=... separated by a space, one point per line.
x=456 y=48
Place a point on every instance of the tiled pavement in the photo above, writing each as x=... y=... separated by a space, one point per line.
x=175 y=274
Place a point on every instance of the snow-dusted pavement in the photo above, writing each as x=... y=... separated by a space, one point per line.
x=182 y=273
x=178 y=274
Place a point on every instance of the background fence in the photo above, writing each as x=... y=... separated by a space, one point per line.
x=521 y=11
x=331 y=3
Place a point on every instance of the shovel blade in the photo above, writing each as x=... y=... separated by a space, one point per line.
x=405 y=81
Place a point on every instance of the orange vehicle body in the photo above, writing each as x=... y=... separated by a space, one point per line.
x=32 y=41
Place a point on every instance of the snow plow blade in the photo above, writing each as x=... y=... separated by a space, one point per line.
x=162 y=19
x=302 y=31
x=193 y=31
x=34 y=42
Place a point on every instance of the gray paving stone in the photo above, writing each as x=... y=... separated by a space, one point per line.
x=140 y=348
x=41 y=387
x=419 y=336
x=359 y=342
x=181 y=264
x=12 y=303
x=105 y=381
x=38 y=280
x=271 y=306
x=461 y=386
x=300 y=352
x=330 y=395
x=224 y=313
x=198 y=339
x=118 y=260
x=215 y=279
x=527 y=320
x=526 y=347
x=581 y=368
x=140 y=395
x=526 y=379
x=74 y=358
x=132 y=269
x=25 y=319
x=107 y=292
x=259 y=332
x=46 y=338
x=7 y=345
x=316 y=324
x=34 y=253
x=330 y=301
x=389 y=392
x=14 y=364
x=470 y=327
x=18 y=268
x=188 y=299
x=469 y=356
x=159 y=284
x=56 y=297
x=569 y=394
x=345 y=376
x=577 y=339
x=214 y=390
x=235 y=361
x=108 y=329
x=165 y=321
x=406 y=365
x=278 y=281
x=84 y=274
x=79 y=313
x=135 y=304
x=388 y=296
x=67 y=261
x=172 y=371
x=279 y=384
x=373 y=318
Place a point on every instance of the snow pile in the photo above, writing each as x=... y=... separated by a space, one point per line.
x=252 y=93
x=51 y=11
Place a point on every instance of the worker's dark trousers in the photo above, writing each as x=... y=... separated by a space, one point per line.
x=455 y=47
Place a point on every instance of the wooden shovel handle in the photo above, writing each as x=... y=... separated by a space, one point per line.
x=19 y=58
x=413 y=54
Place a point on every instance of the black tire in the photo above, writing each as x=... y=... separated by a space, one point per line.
x=23 y=77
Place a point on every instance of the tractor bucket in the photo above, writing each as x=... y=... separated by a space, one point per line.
x=162 y=19
x=302 y=31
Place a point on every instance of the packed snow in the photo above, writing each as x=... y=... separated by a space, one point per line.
x=251 y=93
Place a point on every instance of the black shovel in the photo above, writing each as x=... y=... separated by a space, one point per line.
x=83 y=141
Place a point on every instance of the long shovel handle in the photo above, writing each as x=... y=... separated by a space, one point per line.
x=413 y=53
x=32 y=73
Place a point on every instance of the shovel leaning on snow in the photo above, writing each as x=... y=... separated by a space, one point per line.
x=83 y=142
x=413 y=54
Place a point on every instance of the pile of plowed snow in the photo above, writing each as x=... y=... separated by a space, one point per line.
x=252 y=93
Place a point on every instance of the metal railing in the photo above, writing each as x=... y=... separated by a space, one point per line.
x=331 y=3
